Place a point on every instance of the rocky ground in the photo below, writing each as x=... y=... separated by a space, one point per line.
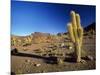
x=42 y=57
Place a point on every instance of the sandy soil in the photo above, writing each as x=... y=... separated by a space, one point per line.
x=37 y=58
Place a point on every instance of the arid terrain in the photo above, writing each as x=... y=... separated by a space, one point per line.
x=43 y=52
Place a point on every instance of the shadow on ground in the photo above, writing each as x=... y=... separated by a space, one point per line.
x=48 y=60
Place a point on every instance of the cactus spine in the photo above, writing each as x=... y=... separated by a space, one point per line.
x=76 y=34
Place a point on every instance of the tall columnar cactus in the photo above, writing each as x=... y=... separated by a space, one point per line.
x=76 y=34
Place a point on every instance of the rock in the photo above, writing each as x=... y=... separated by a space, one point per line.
x=37 y=65
x=28 y=71
x=70 y=47
x=14 y=51
x=43 y=71
x=83 y=61
x=90 y=57
x=62 y=45
x=59 y=60
x=27 y=60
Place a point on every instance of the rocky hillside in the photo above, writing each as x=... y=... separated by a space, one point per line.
x=90 y=29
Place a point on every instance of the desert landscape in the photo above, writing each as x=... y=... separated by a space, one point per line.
x=43 y=52
x=52 y=37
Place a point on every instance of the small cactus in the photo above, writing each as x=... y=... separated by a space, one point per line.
x=76 y=34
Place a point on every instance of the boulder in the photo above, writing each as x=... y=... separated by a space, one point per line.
x=37 y=65
x=90 y=57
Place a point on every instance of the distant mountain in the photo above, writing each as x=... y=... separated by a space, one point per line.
x=90 y=27
x=40 y=34
x=36 y=37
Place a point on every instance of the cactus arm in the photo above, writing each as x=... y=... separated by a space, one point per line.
x=70 y=30
x=79 y=28
x=81 y=36
x=73 y=19
x=78 y=21
x=74 y=25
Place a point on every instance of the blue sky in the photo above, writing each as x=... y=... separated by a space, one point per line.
x=30 y=17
